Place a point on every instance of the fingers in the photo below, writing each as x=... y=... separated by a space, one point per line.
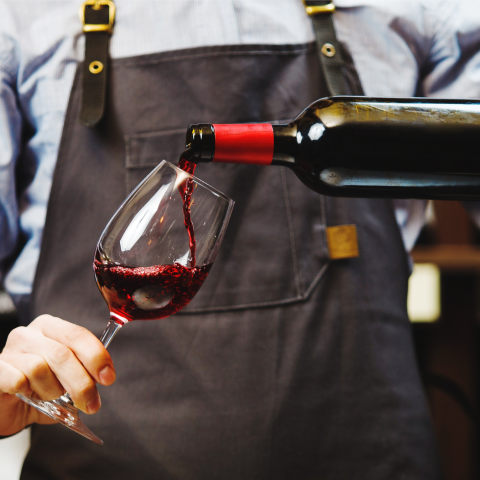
x=12 y=380
x=34 y=374
x=54 y=356
x=86 y=347
x=39 y=355
x=15 y=414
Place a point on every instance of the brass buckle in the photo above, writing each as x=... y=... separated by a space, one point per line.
x=97 y=5
x=319 y=9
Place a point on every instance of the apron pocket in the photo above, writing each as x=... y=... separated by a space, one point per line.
x=274 y=251
x=144 y=151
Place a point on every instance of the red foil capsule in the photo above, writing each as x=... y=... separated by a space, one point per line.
x=244 y=143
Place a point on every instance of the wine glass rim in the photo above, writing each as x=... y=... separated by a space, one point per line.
x=199 y=182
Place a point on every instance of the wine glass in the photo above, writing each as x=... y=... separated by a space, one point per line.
x=151 y=259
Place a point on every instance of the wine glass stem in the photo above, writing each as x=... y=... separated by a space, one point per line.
x=109 y=332
x=107 y=336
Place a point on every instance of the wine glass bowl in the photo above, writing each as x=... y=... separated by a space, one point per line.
x=145 y=265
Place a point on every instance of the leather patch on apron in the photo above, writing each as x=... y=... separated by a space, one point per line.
x=342 y=242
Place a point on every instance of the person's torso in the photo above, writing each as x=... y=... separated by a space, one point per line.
x=288 y=364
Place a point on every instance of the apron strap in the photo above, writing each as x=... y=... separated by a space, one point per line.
x=97 y=17
x=321 y=13
x=98 y=25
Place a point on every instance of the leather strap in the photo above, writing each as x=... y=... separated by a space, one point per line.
x=95 y=66
x=329 y=53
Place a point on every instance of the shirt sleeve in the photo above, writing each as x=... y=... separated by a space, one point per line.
x=10 y=138
x=452 y=69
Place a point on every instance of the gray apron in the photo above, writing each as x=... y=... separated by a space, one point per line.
x=286 y=365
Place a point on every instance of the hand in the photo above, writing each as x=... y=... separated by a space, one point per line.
x=45 y=359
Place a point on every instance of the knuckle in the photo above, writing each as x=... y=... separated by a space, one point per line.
x=53 y=392
x=60 y=354
x=19 y=384
x=100 y=356
x=16 y=336
x=38 y=368
x=77 y=334
x=41 y=320
x=87 y=389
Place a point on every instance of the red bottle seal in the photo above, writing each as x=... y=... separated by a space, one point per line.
x=244 y=143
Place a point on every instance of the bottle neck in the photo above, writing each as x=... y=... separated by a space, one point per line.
x=255 y=144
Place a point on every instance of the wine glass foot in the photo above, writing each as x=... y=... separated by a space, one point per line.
x=63 y=411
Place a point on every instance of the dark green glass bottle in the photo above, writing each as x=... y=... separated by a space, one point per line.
x=361 y=147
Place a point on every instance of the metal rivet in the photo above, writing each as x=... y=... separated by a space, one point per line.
x=329 y=50
x=95 y=67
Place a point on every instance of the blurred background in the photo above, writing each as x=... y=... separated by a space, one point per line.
x=444 y=307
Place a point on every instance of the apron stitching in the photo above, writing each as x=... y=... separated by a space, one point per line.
x=156 y=133
x=291 y=232
x=213 y=54
x=323 y=214
x=143 y=165
x=127 y=162
x=273 y=303
x=316 y=280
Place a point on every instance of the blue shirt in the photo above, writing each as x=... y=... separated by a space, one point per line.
x=401 y=48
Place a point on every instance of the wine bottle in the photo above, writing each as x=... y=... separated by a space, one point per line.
x=361 y=147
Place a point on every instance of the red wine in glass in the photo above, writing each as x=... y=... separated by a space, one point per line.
x=148 y=293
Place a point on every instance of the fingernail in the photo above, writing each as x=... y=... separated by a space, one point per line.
x=107 y=375
x=94 y=405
